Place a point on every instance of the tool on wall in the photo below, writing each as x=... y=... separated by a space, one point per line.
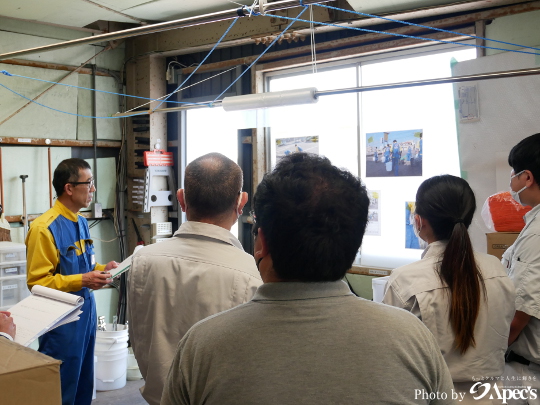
x=5 y=233
x=159 y=165
x=50 y=177
x=24 y=216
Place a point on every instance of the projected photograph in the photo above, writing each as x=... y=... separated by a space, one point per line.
x=411 y=240
x=374 y=220
x=394 y=153
x=286 y=146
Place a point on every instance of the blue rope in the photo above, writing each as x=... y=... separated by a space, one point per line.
x=293 y=20
x=400 y=35
x=266 y=50
x=68 y=113
x=86 y=88
x=425 y=26
x=200 y=64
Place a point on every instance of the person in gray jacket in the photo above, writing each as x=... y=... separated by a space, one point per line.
x=305 y=338
x=200 y=271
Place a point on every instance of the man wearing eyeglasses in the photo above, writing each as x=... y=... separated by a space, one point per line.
x=60 y=255
x=522 y=260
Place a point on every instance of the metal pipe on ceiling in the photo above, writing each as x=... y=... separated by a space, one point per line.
x=165 y=26
x=415 y=83
x=408 y=15
x=443 y=80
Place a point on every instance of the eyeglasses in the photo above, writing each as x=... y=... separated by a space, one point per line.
x=89 y=183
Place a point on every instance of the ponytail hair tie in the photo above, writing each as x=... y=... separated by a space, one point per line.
x=459 y=221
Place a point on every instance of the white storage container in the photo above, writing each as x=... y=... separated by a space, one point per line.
x=11 y=269
x=12 y=252
x=12 y=290
x=378 y=284
x=111 y=369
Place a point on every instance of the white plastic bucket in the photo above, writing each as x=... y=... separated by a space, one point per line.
x=378 y=284
x=133 y=372
x=389 y=166
x=111 y=369
x=111 y=343
x=111 y=351
x=112 y=340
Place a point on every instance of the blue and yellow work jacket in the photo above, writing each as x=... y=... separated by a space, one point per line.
x=59 y=250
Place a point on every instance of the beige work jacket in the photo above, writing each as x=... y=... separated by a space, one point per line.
x=200 y=271
x=418 y=288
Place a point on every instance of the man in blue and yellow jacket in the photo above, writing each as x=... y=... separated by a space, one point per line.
x=60 y=255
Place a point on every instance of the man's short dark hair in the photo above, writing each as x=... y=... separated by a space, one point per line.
x=212 y=185
x=67 y=171
x=526 y=156
x=313 y=216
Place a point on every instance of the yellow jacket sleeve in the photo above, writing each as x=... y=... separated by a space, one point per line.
x=42 y=260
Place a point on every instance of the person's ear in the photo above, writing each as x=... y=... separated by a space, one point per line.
x=419 y=222
x=180 y=194
x=242 y=201
x=530 y=178
x=68 y=189
x=261 y=246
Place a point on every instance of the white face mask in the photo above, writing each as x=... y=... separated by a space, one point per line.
x=515 y=194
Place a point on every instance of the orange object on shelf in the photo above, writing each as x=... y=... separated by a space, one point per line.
x=506 y=213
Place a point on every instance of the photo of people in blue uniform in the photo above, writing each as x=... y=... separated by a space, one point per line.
x=394 y=153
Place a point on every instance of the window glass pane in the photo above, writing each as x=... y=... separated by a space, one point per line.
x=345 y=124
x=425 y=109
x=328 y=127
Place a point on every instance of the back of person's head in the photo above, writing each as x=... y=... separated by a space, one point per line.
x=313 y=216
x=67 y=171
x=448 y=203
x=526 y=156
x=212 y=186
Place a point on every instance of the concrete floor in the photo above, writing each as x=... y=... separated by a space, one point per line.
x=129 y=395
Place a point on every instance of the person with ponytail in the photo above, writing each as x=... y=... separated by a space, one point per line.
x=464 y=297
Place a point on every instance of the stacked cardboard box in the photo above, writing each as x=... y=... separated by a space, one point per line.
x=28 y=377
x=498 y=242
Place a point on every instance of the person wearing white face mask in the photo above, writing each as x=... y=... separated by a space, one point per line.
x=522 y=261
x=463 y=297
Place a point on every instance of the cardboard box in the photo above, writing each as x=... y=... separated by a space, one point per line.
x=28 y=377
x=498 y=242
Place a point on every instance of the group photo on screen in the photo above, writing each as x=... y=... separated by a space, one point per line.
x=394 y=153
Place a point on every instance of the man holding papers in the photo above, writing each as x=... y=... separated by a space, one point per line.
x=200 y=271
x=60 y=255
